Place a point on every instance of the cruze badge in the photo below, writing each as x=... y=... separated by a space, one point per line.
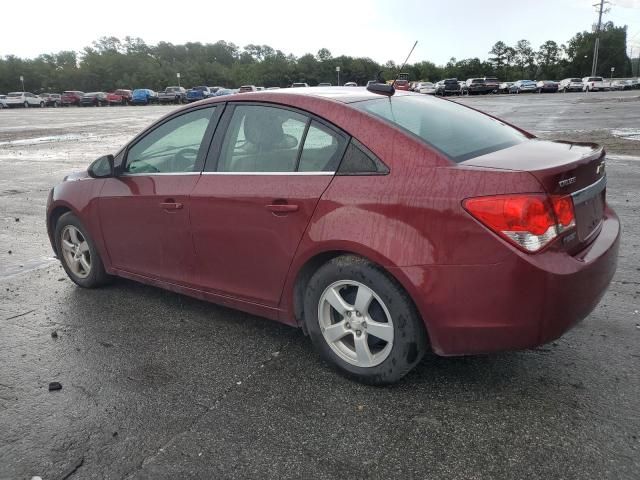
x=600 y=168
x=567 y=181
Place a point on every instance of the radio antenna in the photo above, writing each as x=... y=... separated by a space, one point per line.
x=405 y=62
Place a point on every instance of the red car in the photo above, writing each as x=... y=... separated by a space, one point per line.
x=71 y=97
x=381 y=225
x=119 y=97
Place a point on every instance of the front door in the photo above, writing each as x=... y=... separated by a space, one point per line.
x=259 y=190
x=144 y=212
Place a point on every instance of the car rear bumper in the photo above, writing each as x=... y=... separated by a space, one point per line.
x=525 y=301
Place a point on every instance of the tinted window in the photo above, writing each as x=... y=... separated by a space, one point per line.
x=595 y=79
x=322 y=150
x=262 y=139
x=457 y=131
x=172 y=147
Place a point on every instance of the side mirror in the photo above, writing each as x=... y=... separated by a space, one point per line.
x=102 y=167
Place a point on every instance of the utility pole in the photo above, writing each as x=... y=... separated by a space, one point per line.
x=594 y=66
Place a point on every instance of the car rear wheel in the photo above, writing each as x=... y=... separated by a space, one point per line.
x=362 y=322
x=78 y=253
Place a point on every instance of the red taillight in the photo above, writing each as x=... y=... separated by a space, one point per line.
x=529 y=221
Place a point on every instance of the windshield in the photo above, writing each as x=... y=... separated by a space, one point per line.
x=595 y=79
x=576 y=80
x=459 y=132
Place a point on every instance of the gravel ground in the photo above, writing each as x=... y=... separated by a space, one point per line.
x=157 y=385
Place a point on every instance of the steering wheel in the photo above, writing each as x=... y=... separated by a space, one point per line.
x=187 y=158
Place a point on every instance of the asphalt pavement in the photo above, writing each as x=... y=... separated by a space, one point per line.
x=160 y=386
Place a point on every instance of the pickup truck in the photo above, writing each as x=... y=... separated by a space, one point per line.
x=173 y=95
x=595 y=84
x=119 y=97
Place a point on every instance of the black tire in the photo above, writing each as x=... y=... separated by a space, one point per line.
x=97 y=276
x=409 y=335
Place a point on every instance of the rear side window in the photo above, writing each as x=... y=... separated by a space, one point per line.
x=457 y=131
x=322 y=150
x=262 y=139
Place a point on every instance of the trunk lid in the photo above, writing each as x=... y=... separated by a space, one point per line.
x=562 y=168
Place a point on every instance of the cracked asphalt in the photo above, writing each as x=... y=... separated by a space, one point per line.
x=160 y=386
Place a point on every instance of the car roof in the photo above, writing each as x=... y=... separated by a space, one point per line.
x=339 y=94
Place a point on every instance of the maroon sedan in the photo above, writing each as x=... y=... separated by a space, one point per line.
x=381 y=224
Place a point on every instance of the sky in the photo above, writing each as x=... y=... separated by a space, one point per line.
x=381 y=30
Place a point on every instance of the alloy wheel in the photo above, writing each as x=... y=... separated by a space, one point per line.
x=75 y=251
x=355 y=323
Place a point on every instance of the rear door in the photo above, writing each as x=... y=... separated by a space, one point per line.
x=263 y=178
x=144 y=212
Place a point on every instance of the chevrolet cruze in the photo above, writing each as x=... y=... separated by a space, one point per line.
x=382 y=223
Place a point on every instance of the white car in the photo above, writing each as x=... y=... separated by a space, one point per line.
x=594 y=84
x=3 y=102
x=351 y=84
x=300 y=85
x=570 y=85
x=426 y=87
x=24 y=99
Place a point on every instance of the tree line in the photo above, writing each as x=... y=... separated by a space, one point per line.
x=111 y=63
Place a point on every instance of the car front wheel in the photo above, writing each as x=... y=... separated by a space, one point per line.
x=78 y=253
x=361 y=321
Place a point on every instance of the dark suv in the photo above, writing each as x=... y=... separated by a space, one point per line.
x=448 y=86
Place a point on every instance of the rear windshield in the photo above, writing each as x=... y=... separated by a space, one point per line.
x=451 y=82
x=595 y=79
x=477 y=80
x=14 y=94
x=457 y=131
x=200 y=89
x=579 y=80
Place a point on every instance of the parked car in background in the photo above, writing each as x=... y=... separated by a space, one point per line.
x=504 y=87
x=622 y=85
x=71 y=97
x=226 y=91
x=324 y=84
x=476 y=86
x=144 y=96
x=3 y=102
x=506 y=254
x=570 y=85
x=491 y=84
x=119 y=97
x=427 y=88
x=51 y=99
x=299 y=85
x=173 y=95
x=400 y=84
x=463 y=87
x=448 y=86
x=247 y=88
x=524 y=86
x=24 y=99
x=198 y=93
x=547 y=86
x=94 y=99
x=350 y=84
x=594 y=84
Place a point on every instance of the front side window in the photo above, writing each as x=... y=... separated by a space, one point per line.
x=262 y=139
x=172 y=147
x=457 y=131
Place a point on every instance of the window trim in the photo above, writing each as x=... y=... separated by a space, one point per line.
x=205 y=144
x=215 y=149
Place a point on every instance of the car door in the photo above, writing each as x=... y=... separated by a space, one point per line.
x=144 y=211
x=263 y=178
